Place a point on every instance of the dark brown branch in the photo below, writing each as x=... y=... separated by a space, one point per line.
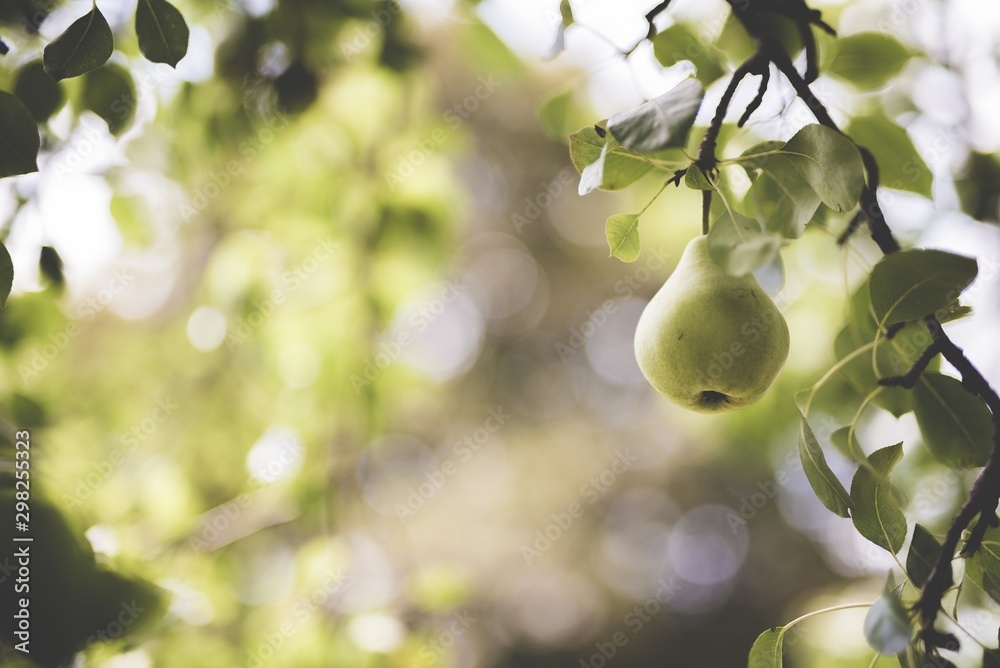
x=985 y=493
x=910 y=378
x=706 y=151
x=765 y=78
x=651 y=16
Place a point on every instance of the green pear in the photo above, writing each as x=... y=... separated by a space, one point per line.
x=710 y=341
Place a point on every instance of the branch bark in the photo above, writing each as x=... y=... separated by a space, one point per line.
x=985 y=493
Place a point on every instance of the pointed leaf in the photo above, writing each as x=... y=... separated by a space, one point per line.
x=868 y=60
x=876 y=513
x=681 y=42
x=852 y=450
x=738 y=245
x=695 y=179
x=913 y=283
x=85 y=46
x=162 y=32
x=663 y=122
x=623 y=236
x=956 y=425
x=19 y=140
x=900 y=165
x=618 y=167
x=924 y=549
x=783 y=199
x=887 y=626
x=766 y=650
x=830 y=164
x=825 y=484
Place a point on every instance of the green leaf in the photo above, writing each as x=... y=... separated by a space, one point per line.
x=895 y=356
x=695 y=179
x=983 y=569
x=830 y=164
x=876 y=513
x=566 y=13
x=611 y=166
x=39 y=92
x=19 y=139
x=553 y=114
x=955 y=424
x=109 y=92
x=623 y=236
x=680 y=42
x=911 y=284
x=85 y=46
x=6 y=275
x=783 y=199
x=850 y=450
x=868 y=60
x=738 y=245
x=924 y=549
x=162 y=32
x=825 y=484
x=766 y=650
x=887 y=625
x=663 y=122
x=900 y=166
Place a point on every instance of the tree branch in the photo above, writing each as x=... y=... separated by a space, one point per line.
x=910 y=378
x=985 y=493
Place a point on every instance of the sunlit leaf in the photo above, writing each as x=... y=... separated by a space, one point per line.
x=84 y=46
x=900 y=165
x=783 y=199
x=830 y=164
x=623 y=236
x=868 y=60
x=681 y=42
x=661 y=123
x=766 y=650
x=876 y=512
x=913 y=283
x=604 y=164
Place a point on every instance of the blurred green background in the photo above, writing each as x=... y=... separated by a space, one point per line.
x=341 y=366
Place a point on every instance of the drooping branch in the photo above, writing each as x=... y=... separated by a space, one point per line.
x=910 y=378
x=985 y=493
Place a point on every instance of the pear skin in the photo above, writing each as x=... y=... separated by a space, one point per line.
x=709 y=341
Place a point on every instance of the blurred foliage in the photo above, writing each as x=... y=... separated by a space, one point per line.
x=324 y=363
